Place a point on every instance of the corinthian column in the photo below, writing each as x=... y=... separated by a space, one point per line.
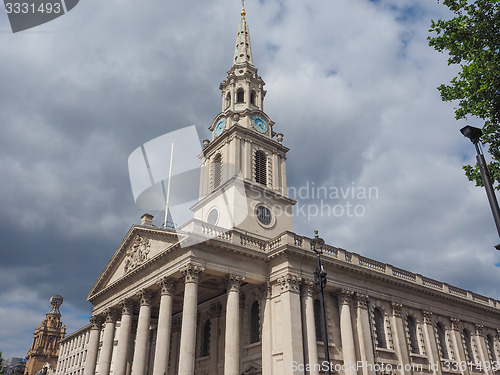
x=141 y=340
x=164 y=327
x=310 y=327
x=93 y=347
x=123 y=339
x=346 y=333
x=107 y=343
x=232 y=343
x=188 y=327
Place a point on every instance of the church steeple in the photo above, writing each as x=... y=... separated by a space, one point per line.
x=243 y=49
x=243 y=178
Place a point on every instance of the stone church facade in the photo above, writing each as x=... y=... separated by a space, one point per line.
x=232 y=291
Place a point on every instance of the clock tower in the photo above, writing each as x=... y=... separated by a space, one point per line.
x=243 y=177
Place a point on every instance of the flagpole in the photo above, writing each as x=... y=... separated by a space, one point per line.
x=168 y=186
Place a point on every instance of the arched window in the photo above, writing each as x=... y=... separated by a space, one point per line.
x=205 y=344
x=254 y=323
x=379 y=328
x=442 y=341
x=228 y=99
x=252 y=97
x=468 y=345
x=412 y=331
x=317 y=320
x=217 y=170
x=240 y=96
x=491 y=347
x=261 y=167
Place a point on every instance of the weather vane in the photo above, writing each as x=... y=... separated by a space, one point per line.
x=243 y=9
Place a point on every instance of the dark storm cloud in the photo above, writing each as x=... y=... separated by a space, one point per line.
x=355 y=100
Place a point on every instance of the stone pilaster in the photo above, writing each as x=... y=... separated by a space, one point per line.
x=93 y=347
x=189 y=313
x=431 y=343
x=364 y=334
x=290 y=336
x=458 y=345
x=120 y=366
x=483 y=350
x=167 y=289
x=232 y=342
x=399 y=336
x=267 y=332
x=107 y=342
x=346 y=332
x=142 y=338
x=309 y=323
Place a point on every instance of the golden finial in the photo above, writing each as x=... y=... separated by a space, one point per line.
x=243 y=13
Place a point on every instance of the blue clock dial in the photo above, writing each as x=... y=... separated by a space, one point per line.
x=219 y=128
x=259 y=123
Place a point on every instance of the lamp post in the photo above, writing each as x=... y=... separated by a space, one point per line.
x=320 y=280
x=474 y=134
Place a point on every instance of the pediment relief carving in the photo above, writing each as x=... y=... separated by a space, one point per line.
x=137 y=254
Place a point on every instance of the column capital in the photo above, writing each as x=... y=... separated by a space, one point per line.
x=427 y=316
x=345 y=296
x=167 y=286
x=144 y=297
x=396 y=309
x=454 y=323
x=308 y=287
x=191 y=273
x=126 y=306
x=290 y=282
x=234 y=282
x=96 y=322
x=110 y=314
x=362 y=301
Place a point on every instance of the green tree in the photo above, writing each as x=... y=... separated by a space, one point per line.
x=1 y=364
x=472 y=40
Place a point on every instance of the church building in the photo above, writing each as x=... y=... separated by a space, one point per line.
x=233 y=291
x=44 y=350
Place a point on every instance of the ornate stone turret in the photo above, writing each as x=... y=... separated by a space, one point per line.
x=45 y=347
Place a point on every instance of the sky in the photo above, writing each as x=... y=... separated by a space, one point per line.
x=350 y=83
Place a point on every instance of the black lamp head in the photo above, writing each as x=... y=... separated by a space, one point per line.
x=472 y=133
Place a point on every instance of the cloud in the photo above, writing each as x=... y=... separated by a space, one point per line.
x=351 y=84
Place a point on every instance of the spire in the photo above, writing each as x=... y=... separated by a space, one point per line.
x=243 y=51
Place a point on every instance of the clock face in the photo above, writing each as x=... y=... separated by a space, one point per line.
x=219 y=128
x=260 y=124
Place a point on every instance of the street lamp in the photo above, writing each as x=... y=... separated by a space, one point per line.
x=474 y=134
x=320 y=280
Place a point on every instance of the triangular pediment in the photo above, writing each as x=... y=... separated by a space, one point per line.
x=252 y=369
x=140 y=247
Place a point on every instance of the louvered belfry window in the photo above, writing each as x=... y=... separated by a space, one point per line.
x=217 y=171
x=261 y=167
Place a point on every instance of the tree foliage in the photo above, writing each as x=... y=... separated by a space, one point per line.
x=1 y=364
x=472 y=40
